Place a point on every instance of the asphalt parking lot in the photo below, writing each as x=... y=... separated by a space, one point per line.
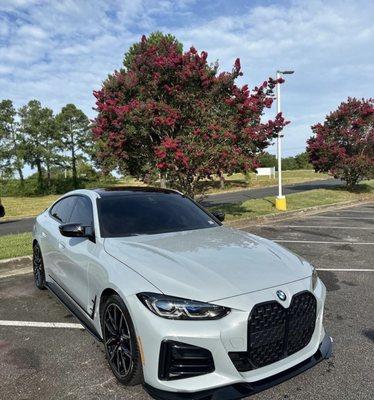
x=65 y=362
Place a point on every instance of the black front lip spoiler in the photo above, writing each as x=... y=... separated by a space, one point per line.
x=240 y=390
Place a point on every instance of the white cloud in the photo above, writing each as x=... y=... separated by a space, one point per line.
x=32 y=32
x=60 y=51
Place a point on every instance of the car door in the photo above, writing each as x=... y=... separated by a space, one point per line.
x=50 y=236
x=76 y=254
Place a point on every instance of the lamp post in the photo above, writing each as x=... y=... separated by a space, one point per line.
x=280 y=201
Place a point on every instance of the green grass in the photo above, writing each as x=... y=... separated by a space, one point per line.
x=22 y=207
x=298 y=201
x=15 y=245
x=20 y=245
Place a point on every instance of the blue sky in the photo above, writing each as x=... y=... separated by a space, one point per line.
x=60 y=51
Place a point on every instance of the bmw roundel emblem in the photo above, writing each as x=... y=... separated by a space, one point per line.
x=281 y=295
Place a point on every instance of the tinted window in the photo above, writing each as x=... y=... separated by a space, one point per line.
x=62 y=210
x=150 y=213
x=82 y=212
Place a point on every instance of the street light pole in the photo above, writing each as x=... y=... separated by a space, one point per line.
x=280 y=201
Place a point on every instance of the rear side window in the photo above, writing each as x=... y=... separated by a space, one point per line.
x=63 y=209
x=82 y=212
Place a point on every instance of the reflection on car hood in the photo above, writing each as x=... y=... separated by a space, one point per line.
x=208 y=264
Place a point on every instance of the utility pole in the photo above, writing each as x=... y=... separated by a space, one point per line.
x=280 y=201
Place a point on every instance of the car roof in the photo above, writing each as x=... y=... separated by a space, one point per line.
x=129 y=190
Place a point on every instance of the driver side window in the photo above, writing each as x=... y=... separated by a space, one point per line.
x=61 y=211
x=82 y=212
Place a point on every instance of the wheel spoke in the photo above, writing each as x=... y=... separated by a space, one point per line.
x=126 y=352
x=113 y=323
x=110 y=341
x=120 y=323
x=124 y=363
x=114 y=353
x=110 y=328
x=118 y=360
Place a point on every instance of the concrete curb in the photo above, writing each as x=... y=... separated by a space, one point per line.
x=247 y=222
x=15 y=266
x=16 y=259
x=239 y=224
x=15 y=272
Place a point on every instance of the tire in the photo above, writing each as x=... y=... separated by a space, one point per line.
x=121 y=346
x=38 y=267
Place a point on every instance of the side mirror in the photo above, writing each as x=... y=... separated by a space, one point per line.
x=76 y=230
x=2 y=211
x=219 y=214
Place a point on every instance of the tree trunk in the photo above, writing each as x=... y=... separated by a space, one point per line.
x=40 y=173
x=351 y=180
x=221 y=180
x=73 y=163
x=48 y=175
x=20 y=173
x=162 y=181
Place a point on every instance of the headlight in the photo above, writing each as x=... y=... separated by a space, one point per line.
x=175 y=308
x=314 y=278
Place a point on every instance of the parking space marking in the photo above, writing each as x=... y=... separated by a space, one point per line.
x=340 y=217
x=41 y=324
x=320 y=242
x=319 y=227
x=353 y=211
x=346 y=269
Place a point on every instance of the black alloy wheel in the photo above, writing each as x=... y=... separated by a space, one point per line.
x=38 y=267
x=120 y=342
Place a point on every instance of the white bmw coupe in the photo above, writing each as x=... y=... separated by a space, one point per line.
x=182 y=304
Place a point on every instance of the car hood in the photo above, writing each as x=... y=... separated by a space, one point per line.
x=208 y=264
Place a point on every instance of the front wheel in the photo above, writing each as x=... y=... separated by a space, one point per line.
x=120 y=342
x=38 y=267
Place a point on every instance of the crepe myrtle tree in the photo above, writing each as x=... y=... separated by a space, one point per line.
x=171 y=114
x=344 y=144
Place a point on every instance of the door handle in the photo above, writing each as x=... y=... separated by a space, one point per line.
x=61 y=246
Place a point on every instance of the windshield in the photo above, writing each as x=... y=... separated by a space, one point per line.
x=150 y=213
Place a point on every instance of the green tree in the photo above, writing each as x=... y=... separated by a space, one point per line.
x=173 y=115
x=302 y=161
x=267 y=160
x=158 y=40
x=74 y=135
x=12 y=144
x=343 y=144
x=289 y=163
x=38 y=126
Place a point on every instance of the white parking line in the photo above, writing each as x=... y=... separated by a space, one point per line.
x=320 y=242
x=41 y=324
x=345 y=269
x=319 y=227
x=339 y=217
x=353 y=211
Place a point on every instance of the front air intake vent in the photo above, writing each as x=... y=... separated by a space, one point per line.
x=180 y=360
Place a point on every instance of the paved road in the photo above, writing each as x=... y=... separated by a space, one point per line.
x=25 y=225
x=18 y=226
x=243 y=195
x=56 y=363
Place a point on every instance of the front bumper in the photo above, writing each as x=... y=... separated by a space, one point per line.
x=241 y=390
x=220 y=337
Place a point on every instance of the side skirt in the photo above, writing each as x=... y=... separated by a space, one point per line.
x=65 y=300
